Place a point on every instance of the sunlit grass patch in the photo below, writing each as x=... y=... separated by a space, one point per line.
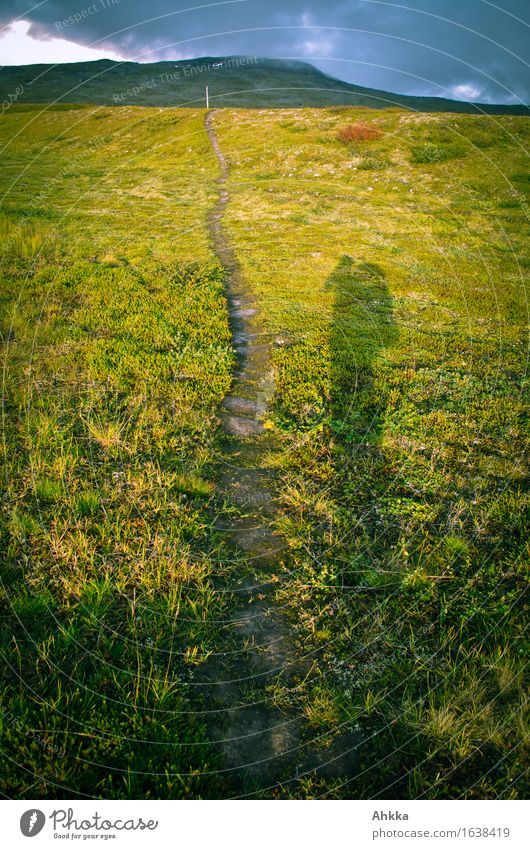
x=107 y=434
x=430 y=153
x=193 y=485
x=399 y=404
x=118 y=352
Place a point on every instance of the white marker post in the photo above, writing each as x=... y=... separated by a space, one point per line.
x=207 y=98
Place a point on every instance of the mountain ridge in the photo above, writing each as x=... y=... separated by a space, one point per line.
x=234 y=81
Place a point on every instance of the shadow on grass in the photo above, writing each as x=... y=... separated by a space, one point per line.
x=363 y=328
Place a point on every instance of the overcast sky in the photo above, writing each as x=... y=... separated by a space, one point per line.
x=469 y=49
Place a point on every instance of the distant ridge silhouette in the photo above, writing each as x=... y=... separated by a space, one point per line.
x=235 y=81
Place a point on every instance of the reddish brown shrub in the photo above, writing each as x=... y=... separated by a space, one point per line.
x=357 y=133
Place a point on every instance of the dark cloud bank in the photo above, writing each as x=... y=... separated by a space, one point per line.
x=471 y=49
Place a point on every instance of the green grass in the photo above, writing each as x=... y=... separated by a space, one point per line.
x=398 y=295
x=118 y=353
x=390 y=275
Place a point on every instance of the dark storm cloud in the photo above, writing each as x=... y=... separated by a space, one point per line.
x=467 y=48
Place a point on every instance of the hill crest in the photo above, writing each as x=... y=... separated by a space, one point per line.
x=233 y=81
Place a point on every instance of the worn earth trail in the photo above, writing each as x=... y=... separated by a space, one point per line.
x=261 y=746
x=259 y=743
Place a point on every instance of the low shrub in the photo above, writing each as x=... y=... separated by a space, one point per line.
x=358 y=132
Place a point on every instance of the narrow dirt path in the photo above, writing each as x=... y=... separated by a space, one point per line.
x=260 y=745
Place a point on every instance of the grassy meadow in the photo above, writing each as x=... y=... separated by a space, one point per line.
x=117 y=352
x=390 y=274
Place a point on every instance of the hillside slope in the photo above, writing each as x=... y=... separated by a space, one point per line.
x=234 y=81
x=388 y=278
